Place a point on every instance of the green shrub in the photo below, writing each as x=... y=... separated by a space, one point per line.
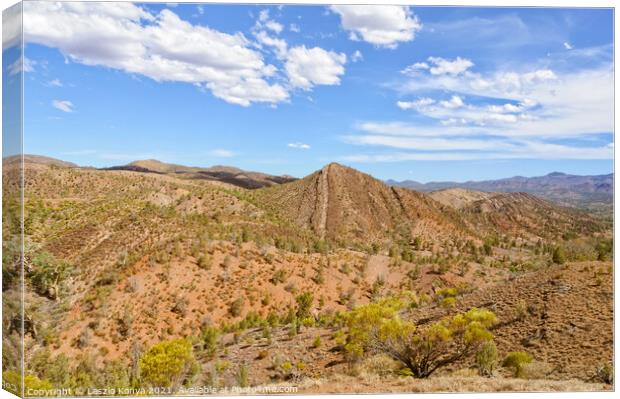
x=242 y=376
x=423 y=349
x=559 y=256
x=516 y=361
x=211 y=340
x=12 y=382
x=49 y=274
x=486 y=359
x=317 y=342
x=304 y=304
x=168 y=364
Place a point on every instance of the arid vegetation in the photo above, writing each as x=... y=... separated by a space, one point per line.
x=332 y=283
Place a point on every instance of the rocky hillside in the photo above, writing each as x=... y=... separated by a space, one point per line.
x=590 y=192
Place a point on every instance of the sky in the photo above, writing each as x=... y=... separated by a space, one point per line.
x=405 y=93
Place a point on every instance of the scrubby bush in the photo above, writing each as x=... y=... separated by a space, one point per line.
x=486 y=359
x=377 y=327
x=304 y=305
x=49 y=274
x=12 y=382
x=516 y=361
x=210 y=340
x=242 y=376
x=559 y=255
x=168 y=364
x=236 y=307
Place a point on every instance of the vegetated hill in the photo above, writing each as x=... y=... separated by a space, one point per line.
x=551 y=314
x=118 y=261
x=458 y=197
x=341 y=204
x=516 y=214
x=592 y=192
x=38 y=159
x=344 y=205
x=226 y=174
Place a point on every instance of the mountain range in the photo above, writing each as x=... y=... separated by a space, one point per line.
x=593 y=192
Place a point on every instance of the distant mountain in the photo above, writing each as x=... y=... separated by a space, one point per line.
x=38 y=159
x=591 y=192
x=226 y=174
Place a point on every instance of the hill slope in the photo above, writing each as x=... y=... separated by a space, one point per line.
x=226 y=174
x=341 y=203
x=592 y=192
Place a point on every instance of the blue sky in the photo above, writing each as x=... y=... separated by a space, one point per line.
x=416 y=93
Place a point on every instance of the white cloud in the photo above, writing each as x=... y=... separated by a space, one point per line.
x=274 y=26
x=528 y=114
x=453 y=102
x=357 y=56
x=11 y=26
x=22 y=64
x=55 y=83
x=315 y=66
x=279 y=45
x=443 y=67
x=221 y=153
x=63 y=105
x=160 y=46
x=381 y=25
x=568 y=46
x=301 y=146
x=294 y=28
x=419 y=103
x=415 y=68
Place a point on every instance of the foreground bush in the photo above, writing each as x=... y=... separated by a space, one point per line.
x=378 y=328
x=168 y=364
x=517 y=361
x=486 y=359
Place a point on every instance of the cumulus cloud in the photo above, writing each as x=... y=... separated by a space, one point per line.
x=357 y=56
x=381 y=25
x=160 y=46
x=440 y=66
x=538 y=113
x=307 y=67
x=63 y=105
x=294 y=28
x=300 y=146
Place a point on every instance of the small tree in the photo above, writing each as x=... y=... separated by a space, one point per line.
x=516 y=361
x=486 y=359
x=168 y=364
x=377 y=327
x=424 y=350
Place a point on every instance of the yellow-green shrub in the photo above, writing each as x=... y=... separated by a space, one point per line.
x=168 y=363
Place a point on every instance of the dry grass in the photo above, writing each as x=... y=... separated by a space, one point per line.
x=372 y=383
